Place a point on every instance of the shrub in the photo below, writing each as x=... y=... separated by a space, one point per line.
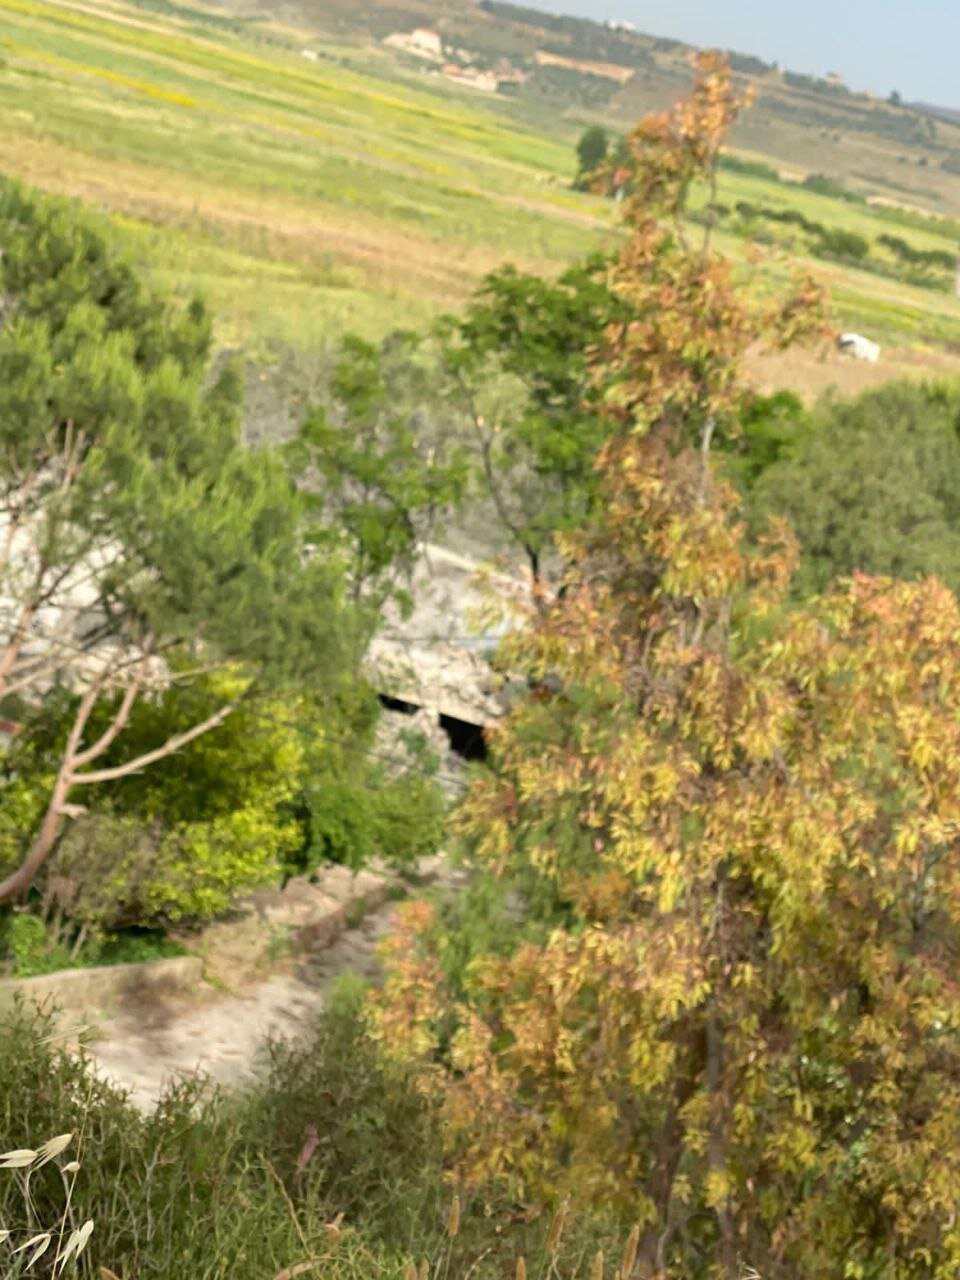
x=770 y=429
x=177 y=841
x=112 y=871
x=377 y=1152
x=282 y=786
x=331 y=1158
x=834 y=242
x=25 y=940
x=872 y=485
x=177 y=1193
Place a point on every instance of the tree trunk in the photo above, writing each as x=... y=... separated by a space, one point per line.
x=71 y=772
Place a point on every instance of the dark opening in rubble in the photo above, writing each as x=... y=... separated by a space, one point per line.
x=466 y=740
x=397 y=704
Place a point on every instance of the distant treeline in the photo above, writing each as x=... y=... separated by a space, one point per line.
x=749 y=168
x=563 y=85
x=815 y=84
x=823 y=185
x=746 y=64
x=581 y=37
x=592 y=41
x=936 y=258
x=817 y=182
x=926 y=268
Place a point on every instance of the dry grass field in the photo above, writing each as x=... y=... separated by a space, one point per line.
x=304 y=198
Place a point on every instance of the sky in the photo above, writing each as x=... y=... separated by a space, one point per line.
x=912 y=46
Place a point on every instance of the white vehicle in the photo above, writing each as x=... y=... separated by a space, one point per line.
x=859 y=347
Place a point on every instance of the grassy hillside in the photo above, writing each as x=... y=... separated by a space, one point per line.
x=890 y=148
x=305 y=197
x=298 y=195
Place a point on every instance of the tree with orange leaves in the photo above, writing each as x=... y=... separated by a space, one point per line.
x=732 y=1011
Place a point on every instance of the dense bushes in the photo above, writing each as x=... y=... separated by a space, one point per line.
x=872 y=485
x=33 y=946
x=280 y=788
x=194 y=1189
x=869 y=484
x=936 y=258
x=332 y=1158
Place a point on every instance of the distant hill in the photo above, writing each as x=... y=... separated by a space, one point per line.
x=899 y=151
x=951 y=114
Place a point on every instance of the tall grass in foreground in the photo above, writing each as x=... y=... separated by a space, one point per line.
x=62 y=1240
x=331 y=1165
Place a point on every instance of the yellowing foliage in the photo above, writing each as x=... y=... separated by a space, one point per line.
x=743 y=1027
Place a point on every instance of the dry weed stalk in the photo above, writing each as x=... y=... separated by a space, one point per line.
x=453 y=1222
x=630 y=1254
x=24 y=1162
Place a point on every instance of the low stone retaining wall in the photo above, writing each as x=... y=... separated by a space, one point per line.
x=304 y=916
x=101 y=990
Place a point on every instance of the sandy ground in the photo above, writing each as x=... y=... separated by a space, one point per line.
x=219 y=1031
x=810 y=374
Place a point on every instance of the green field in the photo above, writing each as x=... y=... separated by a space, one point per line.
x=892 y=311
x=298 y=196
x=303 y=197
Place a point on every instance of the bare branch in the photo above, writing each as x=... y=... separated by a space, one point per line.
x=119 y=722
x=29 y=670
x=58 y=808
x=169 y=748
x=16 y=642
x=706 y=440
x=499 y=502
x=68 y=777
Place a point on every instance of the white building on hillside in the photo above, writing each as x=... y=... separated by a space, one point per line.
x=421 y=43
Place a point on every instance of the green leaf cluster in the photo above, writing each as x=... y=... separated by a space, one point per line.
x=376 y=466
x=534 y=449
x=871 y=484
x=186 y=530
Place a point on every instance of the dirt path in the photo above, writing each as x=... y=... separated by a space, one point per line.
x=220 y=1033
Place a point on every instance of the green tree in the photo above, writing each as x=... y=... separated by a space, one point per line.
x=592 y=151
x=770 y=428
x=518 y=368
x=872 y=485
x=136 y=530
x=377 y=464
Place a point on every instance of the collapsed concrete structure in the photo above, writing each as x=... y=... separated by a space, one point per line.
x=432 y=668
